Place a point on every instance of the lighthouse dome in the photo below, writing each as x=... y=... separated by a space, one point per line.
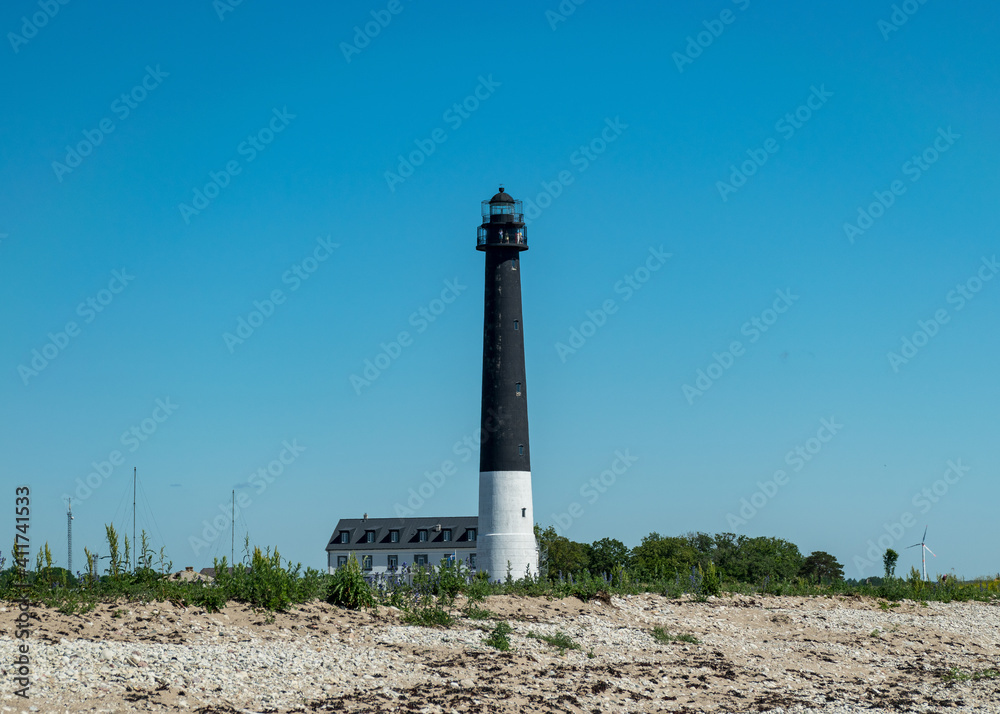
x=502 y=197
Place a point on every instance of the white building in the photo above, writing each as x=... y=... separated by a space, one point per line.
x=387 y=544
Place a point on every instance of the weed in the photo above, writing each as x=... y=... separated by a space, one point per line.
x=876 y=633
x=560 y=641
x=956 y=675
x=478 y=613
x=499 y=638
x=429 y=617
x=664 y=637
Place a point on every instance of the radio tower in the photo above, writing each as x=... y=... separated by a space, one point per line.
x=506 y=519
x=69 y=535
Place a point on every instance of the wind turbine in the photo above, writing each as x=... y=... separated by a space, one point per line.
x=923 y=547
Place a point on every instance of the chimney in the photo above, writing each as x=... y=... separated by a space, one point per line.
x=189 y=568
x=365 y=517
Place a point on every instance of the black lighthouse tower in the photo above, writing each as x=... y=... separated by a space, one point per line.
x=506 y=519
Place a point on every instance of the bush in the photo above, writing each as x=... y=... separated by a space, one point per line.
x=500 y=637
x=348 y=587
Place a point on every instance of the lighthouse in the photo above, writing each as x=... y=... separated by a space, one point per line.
x=506 y=520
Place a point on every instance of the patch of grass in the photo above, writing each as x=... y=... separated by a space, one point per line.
x=500 y=637
x=956 y=675
x=560 y=641
x=665 y=638
x=876 y=633
x=887 y=606
x=474 y=612
x=429 y=617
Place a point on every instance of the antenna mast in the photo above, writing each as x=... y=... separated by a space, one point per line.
x=134 y=469
x=69 y=536
x=232 y=535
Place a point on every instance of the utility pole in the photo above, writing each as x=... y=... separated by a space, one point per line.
x=69 y=536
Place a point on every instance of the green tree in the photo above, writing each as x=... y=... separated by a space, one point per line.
x=560 y=554
x=750 y=560
x=660 y=556
x=607 y=556
x=889 y=561
x=822 y=566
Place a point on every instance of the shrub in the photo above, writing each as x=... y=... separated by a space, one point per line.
x=500 y=637
x=348 y=587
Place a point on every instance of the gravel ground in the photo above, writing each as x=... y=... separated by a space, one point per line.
x=777 y=654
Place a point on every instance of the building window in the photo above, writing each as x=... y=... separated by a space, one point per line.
x=515 y=324
x=341 y=561
x=393 y=562
x=472 y=560
x=472 y=533
x=345 y=537
x=517 y=388
x=422 y=535
x=369 y=536
x=420 y=559
x=446 y=534
x=513 y=264
x=393 y=536
x=366 y=562
x=524 y=513
x=520 y=449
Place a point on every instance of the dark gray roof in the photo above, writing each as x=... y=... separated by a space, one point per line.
x=408 y=528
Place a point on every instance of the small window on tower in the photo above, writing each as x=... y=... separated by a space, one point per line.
x=517 y=388
x=524 y=513
x=515 y=324
x=513 y=264
x=520 y=449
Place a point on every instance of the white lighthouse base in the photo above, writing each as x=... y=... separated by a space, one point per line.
x=506 y=525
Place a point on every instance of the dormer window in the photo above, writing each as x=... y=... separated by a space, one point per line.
x=345 y=537
x=472 y=533
x=393 y=536
x=369 y=536
x=422 y=535
x=446 y=534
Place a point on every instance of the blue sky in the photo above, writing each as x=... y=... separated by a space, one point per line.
x=295 y=157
